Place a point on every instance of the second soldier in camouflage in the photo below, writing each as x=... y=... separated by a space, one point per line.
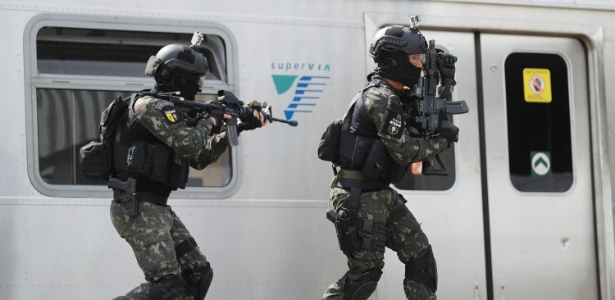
x=375 y=149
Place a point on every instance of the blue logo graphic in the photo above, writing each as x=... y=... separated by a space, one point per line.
x=307 y=91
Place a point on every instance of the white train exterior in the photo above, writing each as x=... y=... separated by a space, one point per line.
x=526 y=212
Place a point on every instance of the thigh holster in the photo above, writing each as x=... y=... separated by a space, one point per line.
x=348 y=226
x=348 y=229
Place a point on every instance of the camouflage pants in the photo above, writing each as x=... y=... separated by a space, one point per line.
x=403 y=236
x=153 y=236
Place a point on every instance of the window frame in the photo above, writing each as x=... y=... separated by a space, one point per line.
x=34 y=80
x=571 y=115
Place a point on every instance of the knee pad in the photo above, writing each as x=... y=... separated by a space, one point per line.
x=423 y=270
x=199 y=280
x=169 y=288
x=359 y=285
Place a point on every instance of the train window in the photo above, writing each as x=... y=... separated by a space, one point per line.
x=538 y=116
x=78 y=72
x=68 y=119
x=75 y=51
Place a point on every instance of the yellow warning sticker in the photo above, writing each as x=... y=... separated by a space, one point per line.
x=537 y=85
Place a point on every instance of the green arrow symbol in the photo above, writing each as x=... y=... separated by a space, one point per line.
x=540 y=161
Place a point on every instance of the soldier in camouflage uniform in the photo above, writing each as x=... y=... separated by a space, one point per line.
x=155 y=146
x=375 y=149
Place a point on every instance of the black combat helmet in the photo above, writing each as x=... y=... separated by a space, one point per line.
x=397 y=38
x=390 y=49
x=178 y=67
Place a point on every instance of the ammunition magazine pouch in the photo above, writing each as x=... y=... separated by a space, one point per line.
x=152 y=162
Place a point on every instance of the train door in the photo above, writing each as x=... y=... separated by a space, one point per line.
x=538 y=167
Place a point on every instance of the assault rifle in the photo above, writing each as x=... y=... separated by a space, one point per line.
x=432 y=110
x=229 y=104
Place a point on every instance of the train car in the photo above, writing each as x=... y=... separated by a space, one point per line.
x=525 y=212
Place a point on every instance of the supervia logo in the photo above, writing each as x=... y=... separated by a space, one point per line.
x=306 y=83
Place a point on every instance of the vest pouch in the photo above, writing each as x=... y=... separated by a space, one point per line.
x=179 y=173
x=162 y=161
x=329 y=142
x=93 y=160
x=140 y=158
x=361 y=147
x=375 y=162
x=352 y=150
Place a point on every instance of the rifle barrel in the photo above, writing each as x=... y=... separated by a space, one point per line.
x=291 y=122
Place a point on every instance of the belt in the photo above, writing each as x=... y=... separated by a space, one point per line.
x=352 y=179
x=144 y=197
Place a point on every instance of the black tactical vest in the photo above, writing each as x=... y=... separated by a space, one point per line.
x=141 y=155
x=362 y=149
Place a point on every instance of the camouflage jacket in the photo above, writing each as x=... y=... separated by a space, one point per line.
x=384 y=108
x=193 y=142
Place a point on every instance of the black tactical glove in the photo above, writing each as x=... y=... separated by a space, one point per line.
x=193 y=119
x=217 y=113
x=448 y=131
x=446 y=68
x=219 y=117
x=248 y=120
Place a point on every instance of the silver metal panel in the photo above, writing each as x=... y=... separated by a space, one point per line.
x=259 y=250
x=539 y=239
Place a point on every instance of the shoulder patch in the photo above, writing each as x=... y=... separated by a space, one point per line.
x=393 y=121
x=170 y=113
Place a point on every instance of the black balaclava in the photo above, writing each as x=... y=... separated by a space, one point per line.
x=396 y=65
